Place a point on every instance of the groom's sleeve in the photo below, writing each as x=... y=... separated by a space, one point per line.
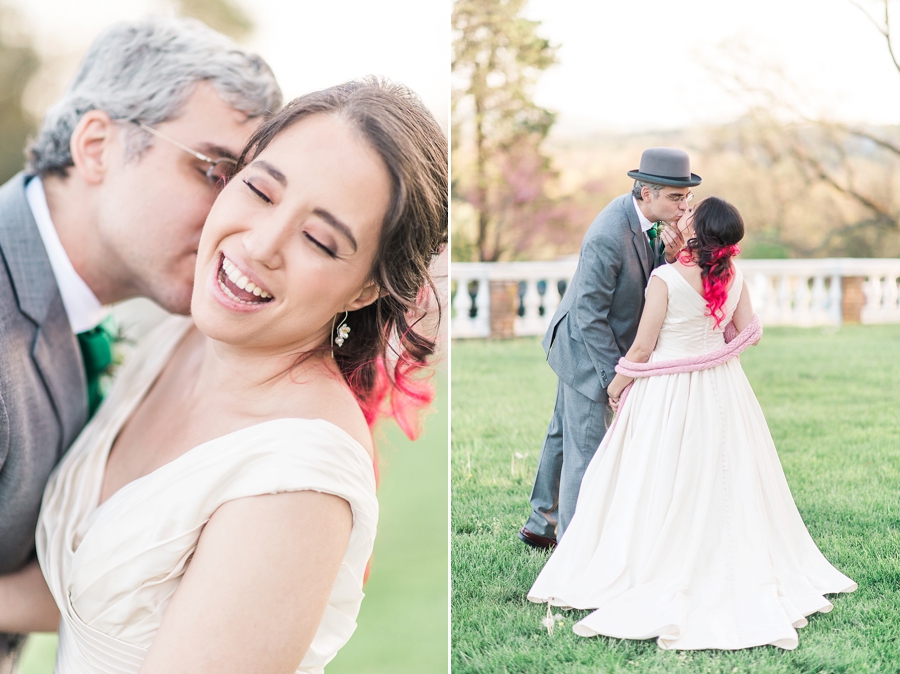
x=601 y=261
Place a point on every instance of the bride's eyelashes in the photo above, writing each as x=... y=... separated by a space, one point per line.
x=257 y=192
x=322 y=246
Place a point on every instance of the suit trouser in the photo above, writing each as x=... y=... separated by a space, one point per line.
x=576 y=430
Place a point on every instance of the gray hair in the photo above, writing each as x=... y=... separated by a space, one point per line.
x=147 y=70
x=640 y=184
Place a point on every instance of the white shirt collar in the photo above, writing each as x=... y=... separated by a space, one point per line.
x=82 y=306
x=645 y=223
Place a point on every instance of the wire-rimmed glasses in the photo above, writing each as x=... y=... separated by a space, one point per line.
x=219 y=171
x=678 y=198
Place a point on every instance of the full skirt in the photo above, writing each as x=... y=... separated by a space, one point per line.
x=685 y=528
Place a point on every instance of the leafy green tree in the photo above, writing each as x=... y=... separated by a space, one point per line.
x=499 y=168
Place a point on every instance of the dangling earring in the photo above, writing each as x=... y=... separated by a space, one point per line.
x=343 y=331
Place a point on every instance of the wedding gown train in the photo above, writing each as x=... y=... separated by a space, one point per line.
x=113 y=569
x=685 y=528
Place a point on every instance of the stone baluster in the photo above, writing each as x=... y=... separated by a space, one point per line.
x=551 y=298
x=460 y=324
x=835 y=300
x=873 y=308
x=892 y=298
x=784 y=309
x=532 y=321
x=483 y=306
x=801 y=313
x=818 y=301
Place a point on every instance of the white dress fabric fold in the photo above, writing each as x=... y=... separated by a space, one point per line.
x=114 y=568
x=685 y=528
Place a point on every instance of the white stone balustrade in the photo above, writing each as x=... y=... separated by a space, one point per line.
x=784 y=292
x=471 y=301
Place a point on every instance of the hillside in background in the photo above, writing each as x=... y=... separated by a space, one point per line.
x=807 y=190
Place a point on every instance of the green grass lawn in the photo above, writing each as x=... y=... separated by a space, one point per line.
x=832 y=401
x=403 y=620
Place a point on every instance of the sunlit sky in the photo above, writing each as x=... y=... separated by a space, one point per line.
x=644 y=64
x=309 y=45
x=635 y=65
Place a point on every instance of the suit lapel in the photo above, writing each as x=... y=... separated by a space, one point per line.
x=638 y=238
x=63 y=375
x=55 y=350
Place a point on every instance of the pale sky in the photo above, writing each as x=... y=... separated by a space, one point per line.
x=309 y=45
x=644 y=64
x=626 y=65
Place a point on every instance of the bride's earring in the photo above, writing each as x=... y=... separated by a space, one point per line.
x=343 y=331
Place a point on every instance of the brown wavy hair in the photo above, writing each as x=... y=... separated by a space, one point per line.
x=385 y=359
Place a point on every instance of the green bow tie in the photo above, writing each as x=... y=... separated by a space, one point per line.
x=96 y=352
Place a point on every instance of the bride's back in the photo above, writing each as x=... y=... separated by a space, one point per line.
x=688 y=329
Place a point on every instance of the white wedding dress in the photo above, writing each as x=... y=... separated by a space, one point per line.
x=685 y=528
x=113 y=569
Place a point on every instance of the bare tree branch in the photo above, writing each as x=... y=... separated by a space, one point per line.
x=843 y=231
x=880 y=142
x=869 y=16
x=882 y=213
x=884 y=30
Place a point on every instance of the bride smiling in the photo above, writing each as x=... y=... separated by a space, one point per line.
x=218 y=512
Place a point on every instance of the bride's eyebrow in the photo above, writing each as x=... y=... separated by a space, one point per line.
x=321 y=212
x=338 y=225
x=271 y=170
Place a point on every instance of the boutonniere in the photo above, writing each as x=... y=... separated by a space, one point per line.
x=120 y=346
x=122 y=343
x=654 y=233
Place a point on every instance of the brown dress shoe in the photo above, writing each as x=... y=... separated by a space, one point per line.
x=535 y=541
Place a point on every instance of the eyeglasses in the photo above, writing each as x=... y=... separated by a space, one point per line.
x=678 y=198
x=219 y=171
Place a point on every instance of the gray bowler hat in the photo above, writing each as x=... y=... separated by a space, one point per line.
x=666 y=166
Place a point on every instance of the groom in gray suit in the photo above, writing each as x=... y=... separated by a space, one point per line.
x=119 y=182
x=595 y=325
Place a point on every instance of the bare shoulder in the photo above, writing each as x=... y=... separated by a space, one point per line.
x=323 y=394
x=657 y=294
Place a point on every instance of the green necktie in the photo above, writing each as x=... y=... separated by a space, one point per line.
x=96 y=351
x=653 y=233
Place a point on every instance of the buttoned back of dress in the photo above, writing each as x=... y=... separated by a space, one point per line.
x=688 y=329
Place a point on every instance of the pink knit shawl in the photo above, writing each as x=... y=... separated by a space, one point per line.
x=735 y=343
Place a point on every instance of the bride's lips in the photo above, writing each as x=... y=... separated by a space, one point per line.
x=238 y=289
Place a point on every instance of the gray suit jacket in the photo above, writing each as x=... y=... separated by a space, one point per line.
x=43 y=395
x=598 y=316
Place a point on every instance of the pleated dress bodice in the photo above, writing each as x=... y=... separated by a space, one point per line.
x=114 y=567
